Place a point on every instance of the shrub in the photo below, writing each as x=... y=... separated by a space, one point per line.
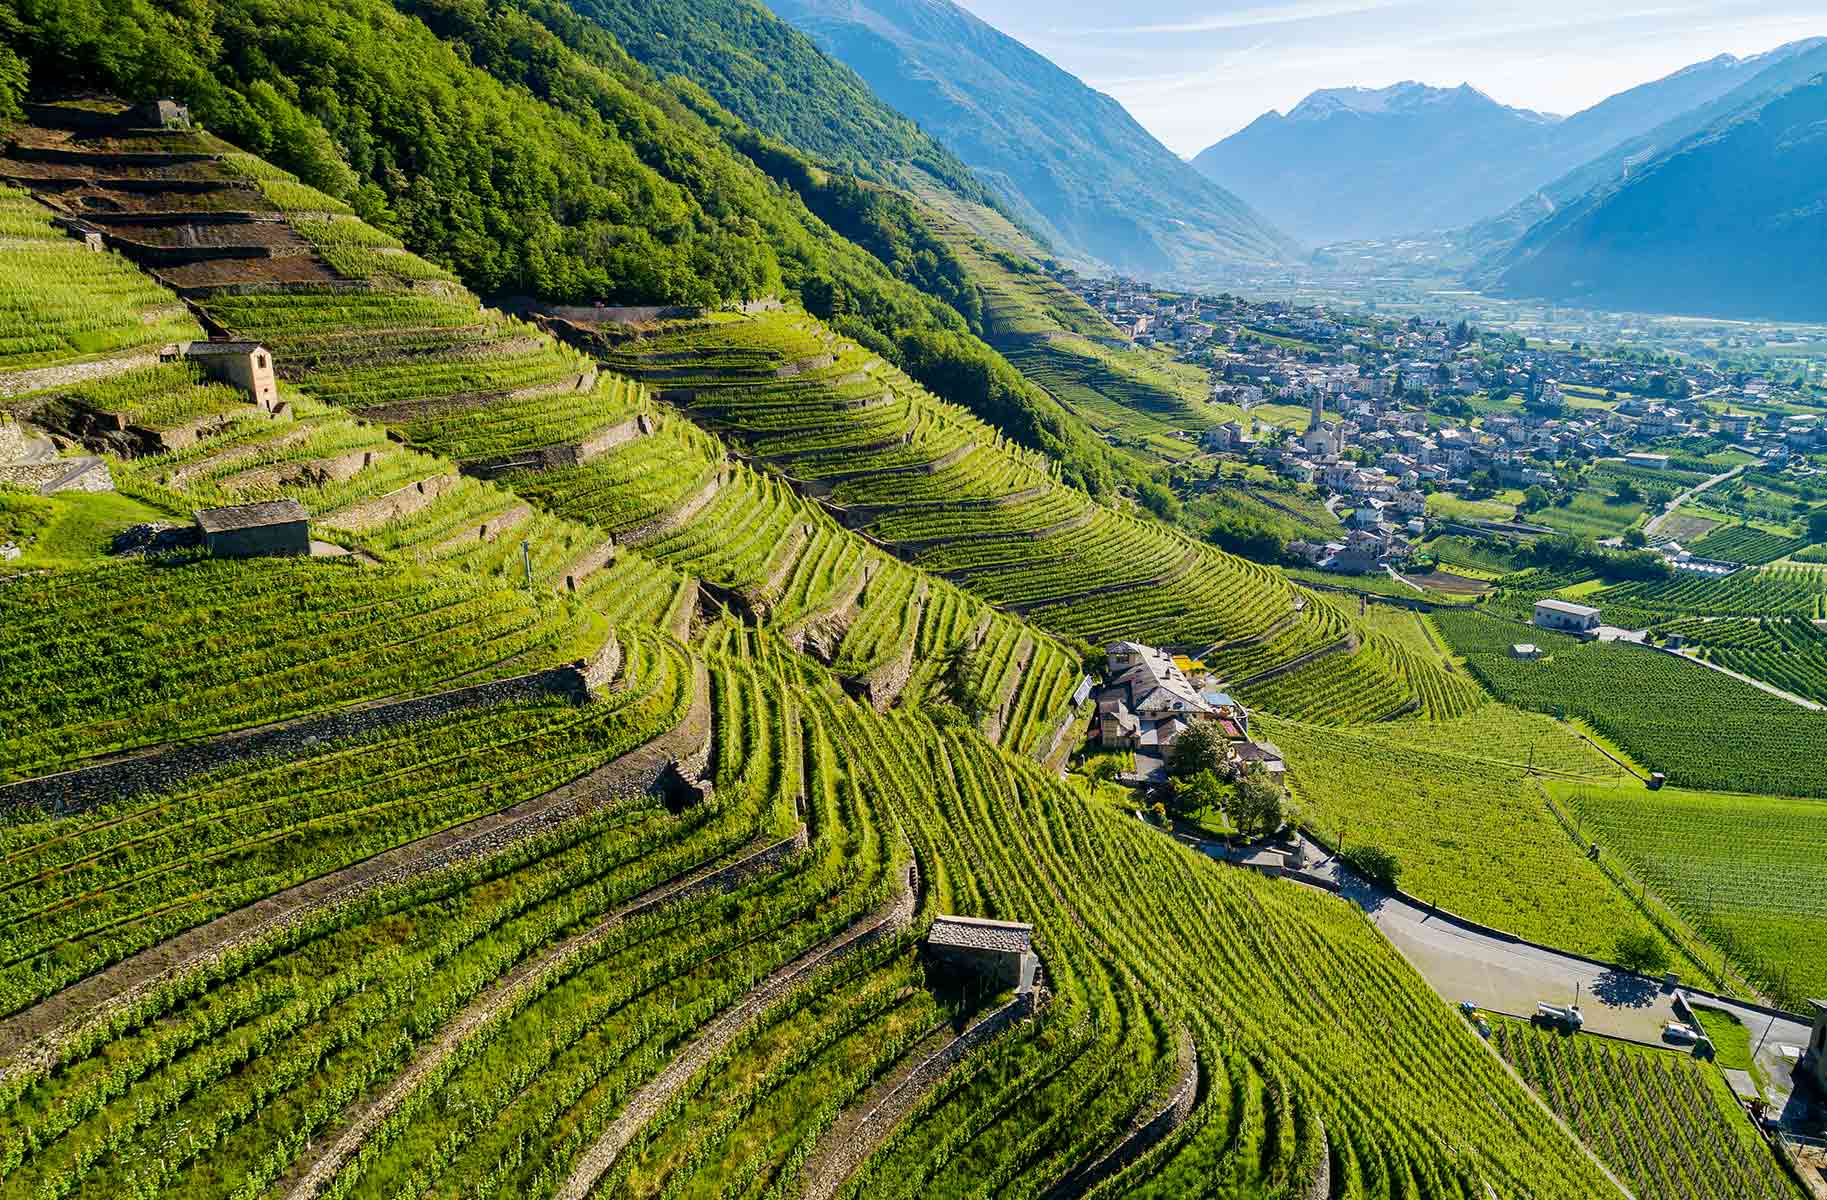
x=1373 y=863
x=1641 y=951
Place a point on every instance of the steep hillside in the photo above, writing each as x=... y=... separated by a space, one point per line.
x=1726 y=223
x=642 y=914
x=782 y=86
x=1352 y=163
x=1069 y=161
x=525 y=166
x=1752 y=81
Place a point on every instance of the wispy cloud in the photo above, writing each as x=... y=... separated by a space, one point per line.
x=1249 y=18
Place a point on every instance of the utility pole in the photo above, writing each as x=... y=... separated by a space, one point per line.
x=526 y=558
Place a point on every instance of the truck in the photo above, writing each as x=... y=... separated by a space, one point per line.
x=1564 y=1016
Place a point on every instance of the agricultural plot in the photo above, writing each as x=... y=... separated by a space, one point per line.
x=1468 y=826
x=1664 y=1122
x=1788 y=653
x=215 y=646
x=1747 y=544
x=1743 y=869
x=1654 y=705
x=61 y=303
x=1781 y=590
x=88 y=890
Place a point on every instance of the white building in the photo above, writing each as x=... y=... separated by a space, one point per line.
x=1566 y=616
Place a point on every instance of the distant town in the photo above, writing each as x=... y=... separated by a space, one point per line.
x=1398 y=412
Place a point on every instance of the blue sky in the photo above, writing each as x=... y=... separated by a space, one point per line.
x=1193 y=71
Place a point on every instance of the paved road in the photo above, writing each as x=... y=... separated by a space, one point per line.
x=1655 y=522
x=1504 y=975
x=1497 y=973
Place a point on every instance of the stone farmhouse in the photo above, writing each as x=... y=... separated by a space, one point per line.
x=269 y=528
x=1566 y=616
x=1150 y=698
x=999 y=952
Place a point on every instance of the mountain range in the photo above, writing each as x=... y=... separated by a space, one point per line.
x=1422 y=158
x=1731 y=221
x=1068 y=160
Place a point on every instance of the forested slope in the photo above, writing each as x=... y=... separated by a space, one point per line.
x=526 y=166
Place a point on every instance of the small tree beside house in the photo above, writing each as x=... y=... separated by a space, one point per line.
x=1201 y=746
x=1257 y=806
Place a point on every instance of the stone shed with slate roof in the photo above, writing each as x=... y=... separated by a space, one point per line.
x=271 y=527
x=1002 y=952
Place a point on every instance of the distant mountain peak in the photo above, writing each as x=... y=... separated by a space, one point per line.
x=1408 y=96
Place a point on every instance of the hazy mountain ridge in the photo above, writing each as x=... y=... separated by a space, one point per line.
x=1422 y=159
x=1731 y=221
x=1070 y=161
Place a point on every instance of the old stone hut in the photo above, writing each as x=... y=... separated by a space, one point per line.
x=271 y=527
x=1000 y=952
x=246 y=365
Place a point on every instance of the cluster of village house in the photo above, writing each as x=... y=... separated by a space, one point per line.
x=1384 y=451
x=1150 y=697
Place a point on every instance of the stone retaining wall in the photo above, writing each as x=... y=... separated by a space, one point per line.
x=1142 y=1137
x=394 y=506
x=160 y=770
x=562 y=456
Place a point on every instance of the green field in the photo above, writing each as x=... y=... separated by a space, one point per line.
x=1745 y=870
x=1703 y=729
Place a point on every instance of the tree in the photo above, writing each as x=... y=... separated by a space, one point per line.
x=1160 y=501
x=1817 y=526
x=1626 y=492
x=1197 y=793
x=966 y=686
x=1535 y=498
x=1373 y=863
x=1257 y=807
x=1200 y=747
x=1636 y=539
x=1641 y=951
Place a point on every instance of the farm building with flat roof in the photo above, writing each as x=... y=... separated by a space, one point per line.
x=271 y=527
x=1566 y=616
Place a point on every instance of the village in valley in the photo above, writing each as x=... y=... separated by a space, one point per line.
x=1414 y=429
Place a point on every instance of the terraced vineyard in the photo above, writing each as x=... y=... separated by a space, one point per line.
x=945 y=493
x=1789 y=653
x=1665 y=1122
x=1782 y=590
x=1743 y=869
x=622 y=894
x=1747 y=544
x=1652 y=704
x=65 y=304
